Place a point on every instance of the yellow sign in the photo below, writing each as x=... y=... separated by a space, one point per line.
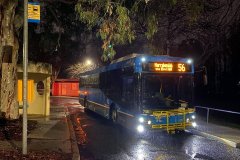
x=169 y=67
x=181 y=67
x=163 y=66
x=34 y=12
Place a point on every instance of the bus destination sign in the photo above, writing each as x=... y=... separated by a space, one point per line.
x=167 y=67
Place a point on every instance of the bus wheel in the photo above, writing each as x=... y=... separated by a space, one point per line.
x=113 y=115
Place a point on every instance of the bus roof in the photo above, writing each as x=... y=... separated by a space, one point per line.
x=135 y=60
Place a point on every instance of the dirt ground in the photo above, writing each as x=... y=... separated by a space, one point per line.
x=12 y=130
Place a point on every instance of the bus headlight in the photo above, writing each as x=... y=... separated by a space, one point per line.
x=193 y=116
x=194 y=124
x=141 y=119
x=140 y=128
x=149 y=122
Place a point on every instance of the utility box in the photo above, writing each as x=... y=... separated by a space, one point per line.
x=65 y=87
x=39 y=79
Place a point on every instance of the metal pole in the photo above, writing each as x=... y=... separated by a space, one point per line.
x=25 y=77
x=207 y=115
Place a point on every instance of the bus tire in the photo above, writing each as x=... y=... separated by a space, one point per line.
x=113 y=114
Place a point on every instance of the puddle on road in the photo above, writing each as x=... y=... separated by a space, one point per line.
x=57 y=109
x=202 y=157
x=55 y=118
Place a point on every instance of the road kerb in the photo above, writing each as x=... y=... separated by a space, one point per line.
x=76 y=154
x=223 y=140
x=67 y=97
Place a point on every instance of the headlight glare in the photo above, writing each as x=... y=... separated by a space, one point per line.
x=194 y=124
x=140 y=128
x=141 y=119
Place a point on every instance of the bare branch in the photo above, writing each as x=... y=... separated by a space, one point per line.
x=76 y=69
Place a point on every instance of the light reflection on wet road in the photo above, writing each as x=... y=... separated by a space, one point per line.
x=106 y=141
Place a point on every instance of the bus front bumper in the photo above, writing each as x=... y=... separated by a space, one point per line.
x=167 y=120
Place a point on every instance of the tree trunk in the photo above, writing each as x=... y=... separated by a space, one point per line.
x=8 y=59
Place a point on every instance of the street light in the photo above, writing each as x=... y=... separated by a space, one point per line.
x=88 y=62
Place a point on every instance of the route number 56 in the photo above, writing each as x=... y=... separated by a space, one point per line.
x=181 y=67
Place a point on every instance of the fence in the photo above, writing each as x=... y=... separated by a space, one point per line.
x=214 y=109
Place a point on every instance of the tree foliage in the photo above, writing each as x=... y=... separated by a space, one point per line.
x=113 y=20
x=59 y=38
x=119 y=21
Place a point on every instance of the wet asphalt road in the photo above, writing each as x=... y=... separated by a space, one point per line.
x=106 y=141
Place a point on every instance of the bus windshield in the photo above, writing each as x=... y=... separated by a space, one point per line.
x=166 y=91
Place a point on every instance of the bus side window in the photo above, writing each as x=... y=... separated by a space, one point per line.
x=113 y=85
x=108 y=85
x=128 y=90
x=104 y=83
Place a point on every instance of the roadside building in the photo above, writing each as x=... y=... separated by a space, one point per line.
x=65 y=87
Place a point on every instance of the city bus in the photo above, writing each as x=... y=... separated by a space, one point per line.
x=144 y=92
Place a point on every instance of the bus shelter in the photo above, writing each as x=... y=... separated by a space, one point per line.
x=39 y=79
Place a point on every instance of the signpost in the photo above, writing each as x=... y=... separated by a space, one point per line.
x=34 y=12
x=25 y=77
x=31 y=14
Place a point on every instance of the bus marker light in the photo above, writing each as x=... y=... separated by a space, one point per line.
x=141 y=119
x=140 y=128
x=189 y=61
x=143 y=59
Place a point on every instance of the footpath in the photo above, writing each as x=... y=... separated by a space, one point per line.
x=227 y=135
x=53 y=134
